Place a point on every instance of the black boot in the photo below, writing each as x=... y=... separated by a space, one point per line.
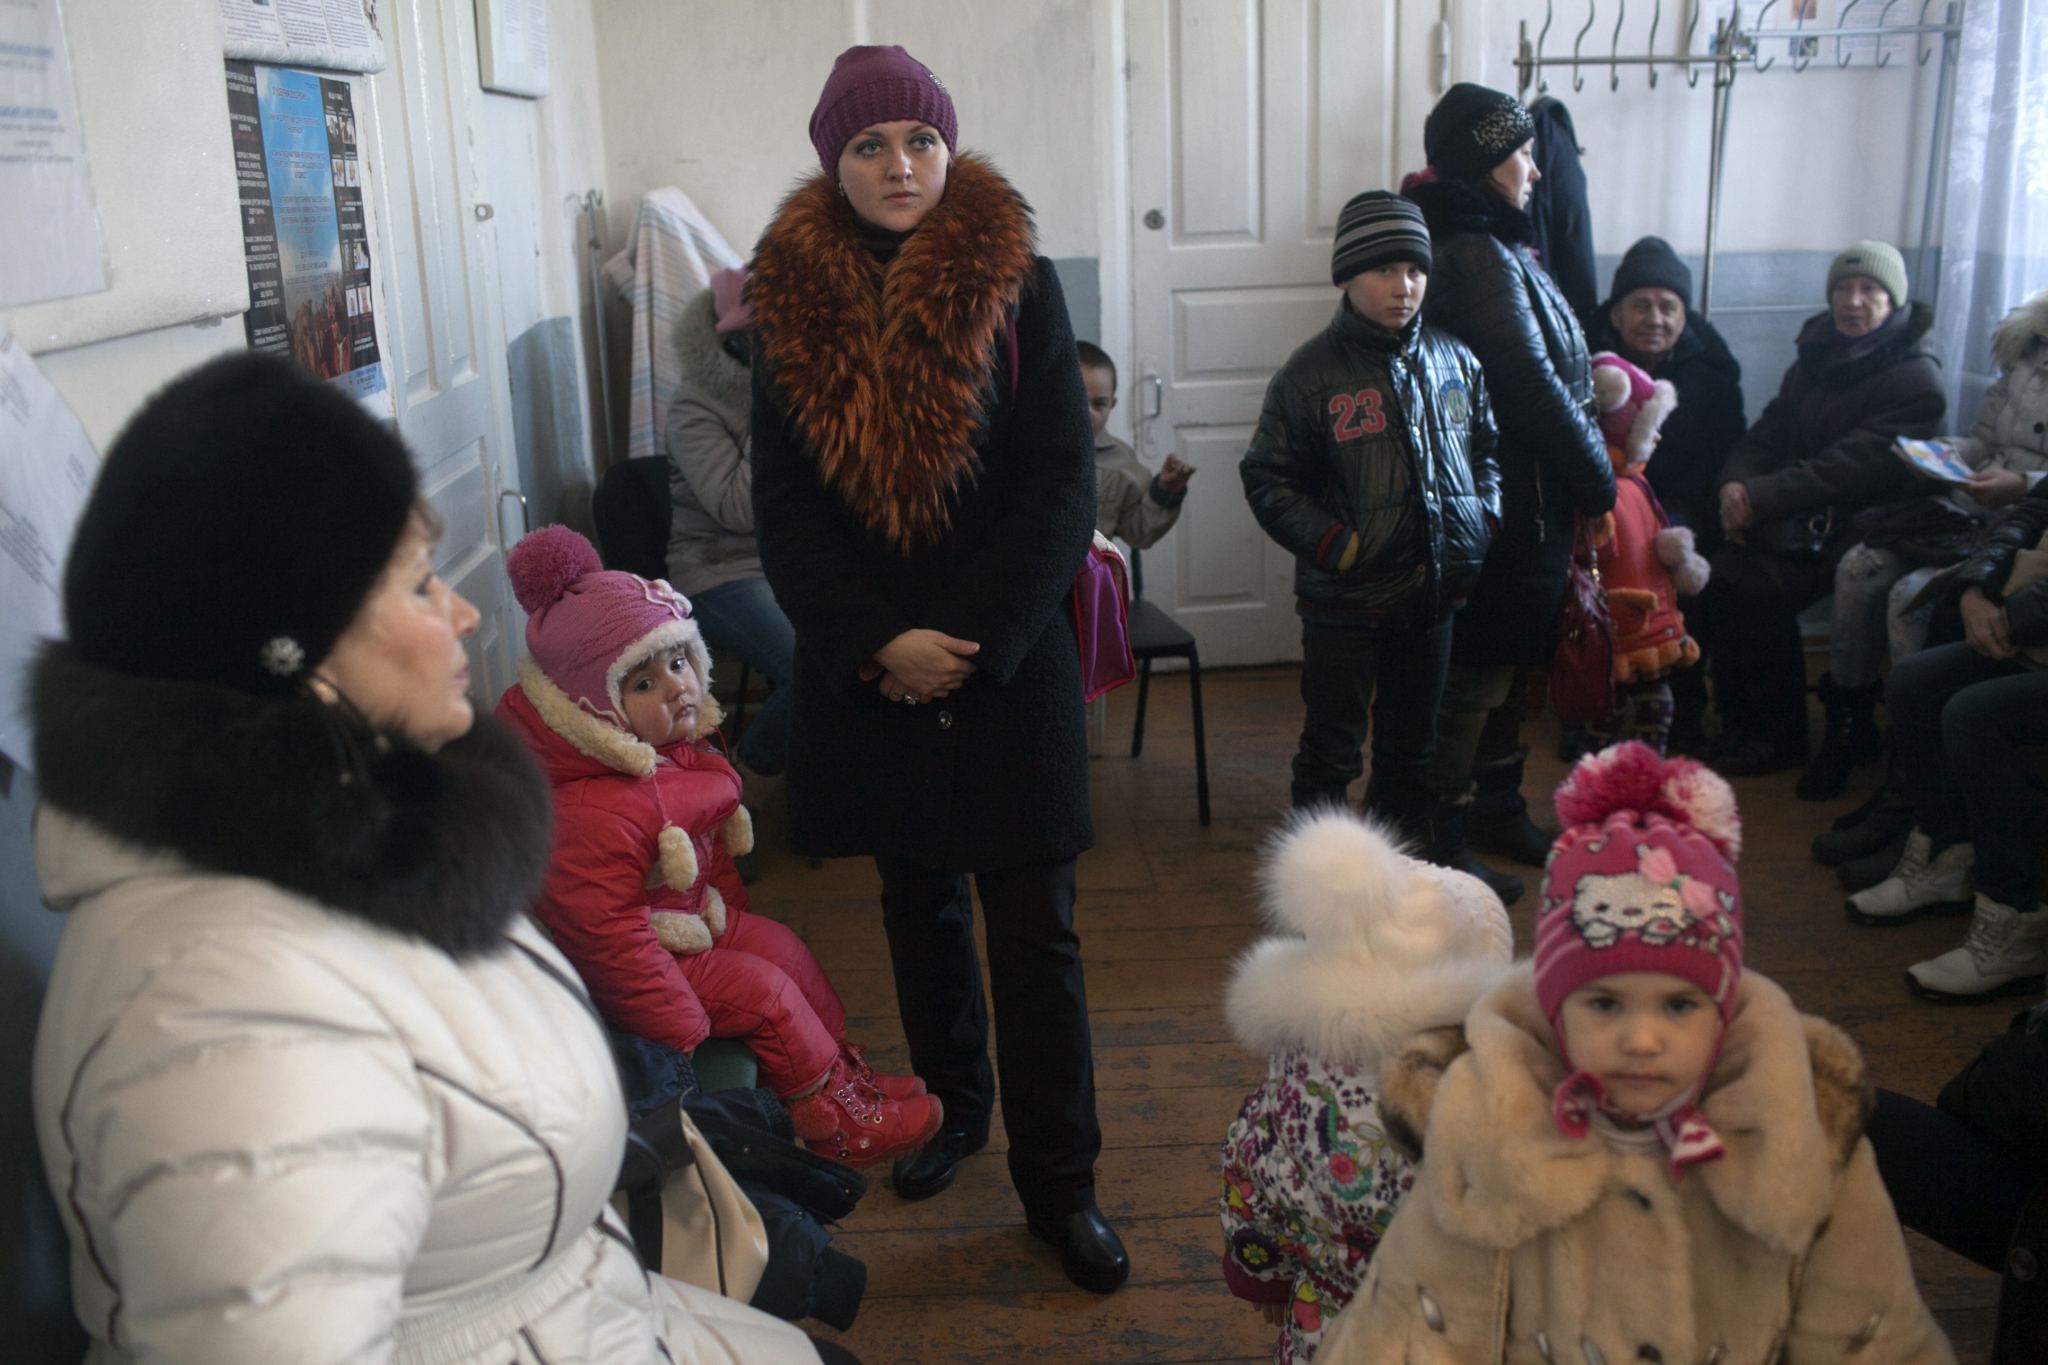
x=1850 y=738
x=1448 y=849
x=1497 y=821
x=1860 y=874
x=1876 y=823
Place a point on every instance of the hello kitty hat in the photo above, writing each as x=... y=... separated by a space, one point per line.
x=1642 y=879
x=1631 y=405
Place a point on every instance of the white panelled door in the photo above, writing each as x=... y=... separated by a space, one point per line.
x=1251 y=124
x=442 y=325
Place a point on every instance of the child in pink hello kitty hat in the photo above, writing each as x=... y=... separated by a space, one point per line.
x=1634 y=1150
x=614 y=698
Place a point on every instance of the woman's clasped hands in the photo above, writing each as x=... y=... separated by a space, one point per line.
x=924 y=665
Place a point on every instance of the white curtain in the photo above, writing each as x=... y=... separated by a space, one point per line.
x=1994 y=236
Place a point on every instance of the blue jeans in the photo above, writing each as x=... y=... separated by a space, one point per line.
x=1958 y=717
x=741 y=617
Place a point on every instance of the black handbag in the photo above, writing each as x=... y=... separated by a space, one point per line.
x=1803 y=538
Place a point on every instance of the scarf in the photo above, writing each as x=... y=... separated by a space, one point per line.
x=1580 y=1106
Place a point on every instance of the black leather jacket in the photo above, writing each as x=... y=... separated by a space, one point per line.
x=1388 y=437
x=1487 y=290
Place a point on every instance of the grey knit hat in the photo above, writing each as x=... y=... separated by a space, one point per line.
x=1878 y=261
x=1374 y=229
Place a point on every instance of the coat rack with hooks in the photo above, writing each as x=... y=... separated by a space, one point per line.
x=1735 y=44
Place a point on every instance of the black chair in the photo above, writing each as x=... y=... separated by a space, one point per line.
x=1154 y=635
x=632 y=511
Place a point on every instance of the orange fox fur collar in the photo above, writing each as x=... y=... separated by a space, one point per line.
x=889 y=384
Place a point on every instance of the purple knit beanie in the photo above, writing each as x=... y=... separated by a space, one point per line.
x=877 y=85
x=587 y=627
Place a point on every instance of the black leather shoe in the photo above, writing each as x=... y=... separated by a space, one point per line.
x=931 y=1168
x=1090 y=1251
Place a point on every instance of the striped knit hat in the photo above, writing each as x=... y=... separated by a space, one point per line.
x=1375 y=229
x=1642 y=879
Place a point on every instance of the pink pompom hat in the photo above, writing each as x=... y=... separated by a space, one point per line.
x=587 y=626
x=1642 y=879
x=1632 y=406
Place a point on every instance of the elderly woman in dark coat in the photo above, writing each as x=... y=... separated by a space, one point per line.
x=924 y=491
x=1488 y=291
x=1790 y=490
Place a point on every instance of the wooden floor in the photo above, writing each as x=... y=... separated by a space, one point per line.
x=1164 y=908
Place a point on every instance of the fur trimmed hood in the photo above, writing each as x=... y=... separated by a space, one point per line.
x=888 y=370
x=2022 y=334
x=1373 y=947
x=446 y=847
x=705 y=361
x=1789 y=1099
x=595 y=737
x=1450 y=208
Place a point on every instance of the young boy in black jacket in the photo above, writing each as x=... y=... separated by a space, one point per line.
x=1374 y=466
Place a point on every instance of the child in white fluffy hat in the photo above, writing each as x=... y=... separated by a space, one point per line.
x=614 y=697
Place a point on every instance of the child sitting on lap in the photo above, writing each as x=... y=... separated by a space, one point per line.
x=642 y=895
x=1376 y=947
x=1645 y=1155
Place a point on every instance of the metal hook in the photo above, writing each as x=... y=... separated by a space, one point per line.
x=1692 y=73
x=1614 y=67
x=1884 y=55
x=1842 y=22
x=1578 y=81
x=1920 y=42
x=1757 y=50
x=1801 y=58
x=1656 y=18
x=1542 y=81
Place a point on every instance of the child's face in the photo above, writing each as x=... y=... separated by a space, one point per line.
x=662 y=697
x=1388 y=295
x=1648 y=1037
x=1101 y=395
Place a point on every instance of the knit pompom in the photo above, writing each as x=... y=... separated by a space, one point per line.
x=1632 y=777
x=546 y=562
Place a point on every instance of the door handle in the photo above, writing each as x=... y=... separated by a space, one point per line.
x=525 y=518
x=1158 y=395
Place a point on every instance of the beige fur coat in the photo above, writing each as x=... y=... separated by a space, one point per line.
x=1521 y=1246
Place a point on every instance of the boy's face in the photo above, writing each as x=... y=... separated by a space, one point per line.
x=662 y=697
x=1387 y=296
x=1648 y=1037
x=1101 y=395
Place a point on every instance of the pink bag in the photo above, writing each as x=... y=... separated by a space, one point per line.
x=1101 y=596
x=1101 y=601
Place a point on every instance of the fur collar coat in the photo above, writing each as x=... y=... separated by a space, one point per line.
x=923 y=458
x=1523 y=1246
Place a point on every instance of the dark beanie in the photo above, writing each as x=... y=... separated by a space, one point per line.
x=1472 y=130
x=238 y=524
x=1651 y=264
x=1377 y=228
x=877 y=85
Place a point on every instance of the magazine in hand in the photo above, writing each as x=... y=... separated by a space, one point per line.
x=1935 y=459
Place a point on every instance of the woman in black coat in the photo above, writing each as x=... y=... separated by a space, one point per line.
x=924 y=491
x=1488 y=291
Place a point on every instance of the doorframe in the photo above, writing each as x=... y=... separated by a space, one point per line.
x=1113 y=201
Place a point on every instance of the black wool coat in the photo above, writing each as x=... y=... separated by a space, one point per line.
x=1487 y=290
x=1686 y=468
x=996 y=775
x=1559 y=212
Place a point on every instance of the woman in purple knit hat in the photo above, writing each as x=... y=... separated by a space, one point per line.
x=924 y=492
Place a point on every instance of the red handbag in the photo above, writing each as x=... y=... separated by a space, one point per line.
x=1582 y=669
x=1101 y=603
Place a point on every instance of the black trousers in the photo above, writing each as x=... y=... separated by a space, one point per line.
x=1360 y=680
x=1043 y=1051
x=1749 y=616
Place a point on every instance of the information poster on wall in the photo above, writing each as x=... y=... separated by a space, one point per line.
x=49 y=228
x=512 y=46
x=47 y=465
x=303 y=229
x=343 y=35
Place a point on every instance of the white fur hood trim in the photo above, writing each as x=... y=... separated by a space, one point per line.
x=2023 y=332
x=1374 y=945
x=596 y=738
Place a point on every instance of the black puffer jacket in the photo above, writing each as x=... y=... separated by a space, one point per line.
x=1696 y=438
x=1488 y=291
x=1387 y=436
x=2017 y=528
x=1826 y=440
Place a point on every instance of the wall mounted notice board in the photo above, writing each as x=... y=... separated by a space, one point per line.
x=153 y=113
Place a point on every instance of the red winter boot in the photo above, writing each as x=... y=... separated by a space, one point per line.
x=893 y=1087
x=850 y=1121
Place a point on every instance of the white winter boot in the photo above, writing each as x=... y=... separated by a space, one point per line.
x=2005 y=953
x=1923 y=883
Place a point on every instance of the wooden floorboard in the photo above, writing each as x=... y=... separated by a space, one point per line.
x=1165 y=907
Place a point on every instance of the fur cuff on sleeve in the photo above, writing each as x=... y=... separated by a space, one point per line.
x=739 y=833
x=678 y=857
x=682 y=933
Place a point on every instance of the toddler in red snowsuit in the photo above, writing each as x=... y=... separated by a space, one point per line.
x=642 y=893
x=1645 y=561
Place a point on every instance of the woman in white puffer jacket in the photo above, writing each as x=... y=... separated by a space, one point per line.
x=308 y=1085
